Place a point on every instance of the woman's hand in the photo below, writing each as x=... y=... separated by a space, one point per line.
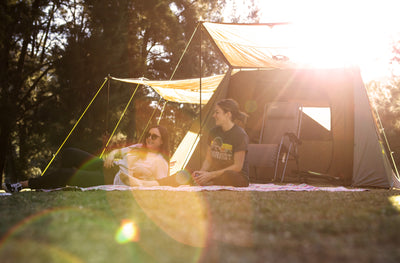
x=109 y=159
x=203 y=177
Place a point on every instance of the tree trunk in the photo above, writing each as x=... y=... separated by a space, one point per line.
x=22 y=158
x=5 y=133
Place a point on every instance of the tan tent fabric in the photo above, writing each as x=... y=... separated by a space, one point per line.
x=254 y=45
x=371 y=165
x=182 y=91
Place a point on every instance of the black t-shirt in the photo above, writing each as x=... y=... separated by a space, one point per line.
x=224 y=144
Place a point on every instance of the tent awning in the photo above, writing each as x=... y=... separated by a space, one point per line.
x=182 y=91
x=254 y=45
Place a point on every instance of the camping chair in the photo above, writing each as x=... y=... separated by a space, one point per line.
x=278 y=138
x=262 y=158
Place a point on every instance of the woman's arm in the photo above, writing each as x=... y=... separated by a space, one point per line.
x=117 y=153
x=109 y=158
x=133 y=181
x=207 y=161
x=203 y=177
x=206 y=164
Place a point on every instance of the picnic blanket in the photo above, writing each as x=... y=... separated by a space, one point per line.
x=186 y=188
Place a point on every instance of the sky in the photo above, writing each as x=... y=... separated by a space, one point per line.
x=347 y=32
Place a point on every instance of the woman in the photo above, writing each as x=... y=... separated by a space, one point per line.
x=139 y=164
x=225 y=162
x=142 y=164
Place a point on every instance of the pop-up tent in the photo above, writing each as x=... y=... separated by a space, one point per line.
x=344 y=142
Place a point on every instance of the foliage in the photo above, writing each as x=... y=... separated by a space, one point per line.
x=396 y=52
x=30 y=46
x=248 y=13
x=385 y=98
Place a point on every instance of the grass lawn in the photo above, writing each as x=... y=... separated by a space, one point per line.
x=220 y=226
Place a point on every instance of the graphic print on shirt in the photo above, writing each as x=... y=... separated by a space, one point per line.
x=220 y=150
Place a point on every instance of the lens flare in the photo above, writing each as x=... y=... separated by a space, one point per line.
x=20 y=235
x=183 y=177
x=251 y=106
x=395 y=201
x=12 y=252
x=186 y=221
x=128 y=232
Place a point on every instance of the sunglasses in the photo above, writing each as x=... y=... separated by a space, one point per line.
x=152 y=136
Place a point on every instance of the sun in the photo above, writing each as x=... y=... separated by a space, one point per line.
x=341 y=32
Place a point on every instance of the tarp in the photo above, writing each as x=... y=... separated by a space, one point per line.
x=182 y=91
x=255 y=45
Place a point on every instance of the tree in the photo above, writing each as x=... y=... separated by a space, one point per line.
x=29 y=50
x=385 y=97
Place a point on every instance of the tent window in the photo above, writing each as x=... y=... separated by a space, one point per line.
x=321 y=115
x=316 y=123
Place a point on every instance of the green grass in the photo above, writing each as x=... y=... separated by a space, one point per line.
x=222 y=226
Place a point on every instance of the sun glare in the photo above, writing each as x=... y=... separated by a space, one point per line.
x=341 y=32
x=128 y=232
x=395 y=201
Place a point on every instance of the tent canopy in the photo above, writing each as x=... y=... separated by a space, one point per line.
x=254 y=45
x=182 y=91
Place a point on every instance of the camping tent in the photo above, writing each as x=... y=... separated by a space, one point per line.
x=263 y=69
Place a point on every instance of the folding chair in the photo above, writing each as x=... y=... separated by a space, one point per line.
x=261 y=160
x=278 y=138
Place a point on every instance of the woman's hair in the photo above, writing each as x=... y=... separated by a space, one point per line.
x=164 y=150
x=230 y=105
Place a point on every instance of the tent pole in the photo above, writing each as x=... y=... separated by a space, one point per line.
x=200 y=65
x=108 y=101
x=149 y=121
x=162 y=112
x=382 y=129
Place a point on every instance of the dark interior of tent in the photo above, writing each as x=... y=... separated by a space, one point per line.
x=324 y=149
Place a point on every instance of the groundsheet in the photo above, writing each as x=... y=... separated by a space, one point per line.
x=185 y=188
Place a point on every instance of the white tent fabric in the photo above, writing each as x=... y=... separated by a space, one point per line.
x=182 y=91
